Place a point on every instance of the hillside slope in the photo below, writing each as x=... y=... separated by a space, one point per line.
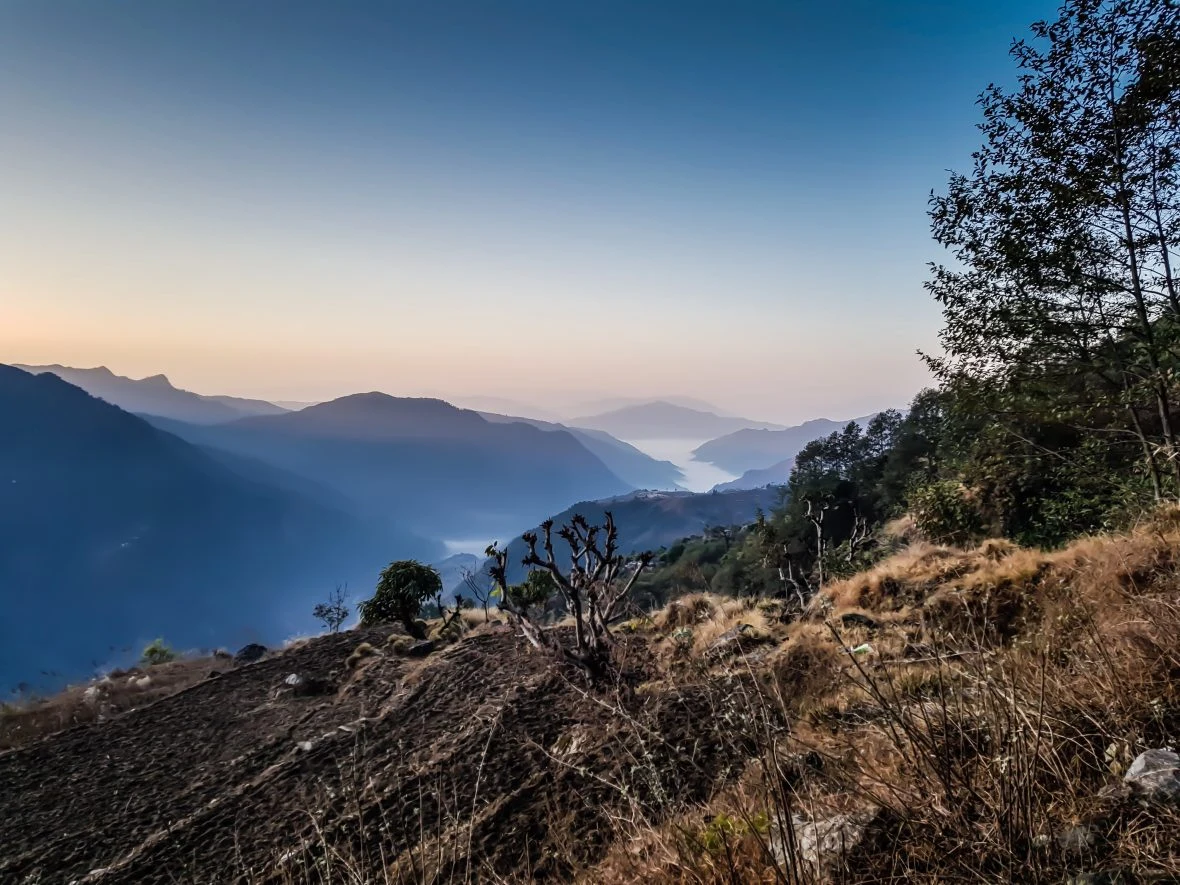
x=113 y=532
x=949 y=715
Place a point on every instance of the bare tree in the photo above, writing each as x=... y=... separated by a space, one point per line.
x=861 y=536
x=480 y=591
x=594 y=587
x=333 y=613
x=816 y=516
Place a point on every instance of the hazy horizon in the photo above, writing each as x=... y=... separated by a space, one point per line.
x=540 y=202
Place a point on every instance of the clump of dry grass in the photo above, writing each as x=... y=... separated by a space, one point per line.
x=476 y=617
x=685 y=612
x=361 y=653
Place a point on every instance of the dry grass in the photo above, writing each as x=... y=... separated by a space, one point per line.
x=993 y=700
x=475 y=617
x=25 y=722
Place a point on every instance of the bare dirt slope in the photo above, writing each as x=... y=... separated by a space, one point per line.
x=464 y=763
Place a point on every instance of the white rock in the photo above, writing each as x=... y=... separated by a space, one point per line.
x=1155 y=774
x=824 y=842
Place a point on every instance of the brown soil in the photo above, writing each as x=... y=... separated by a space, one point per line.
x=482 y=761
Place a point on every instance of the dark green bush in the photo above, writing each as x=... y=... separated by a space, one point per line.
x=401 y=591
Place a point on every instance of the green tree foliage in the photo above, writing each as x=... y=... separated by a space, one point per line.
x=1061 y=305
x=730 y=565
x=402 y=589
x=157 y=653
x=533 y=592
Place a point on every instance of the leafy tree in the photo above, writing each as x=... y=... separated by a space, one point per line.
x=157 y=653
x=1062 y=305
x=333 y=613
x=403 y=587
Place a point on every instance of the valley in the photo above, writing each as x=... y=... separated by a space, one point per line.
x=344 y=487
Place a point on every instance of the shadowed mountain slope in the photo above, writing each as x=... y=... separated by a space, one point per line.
x=638 y=469
x=446 y=472
x=113 y=532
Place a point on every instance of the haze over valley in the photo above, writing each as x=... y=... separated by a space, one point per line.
x=350 y=484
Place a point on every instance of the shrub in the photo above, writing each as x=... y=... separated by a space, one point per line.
x=537 y=589
x=945 y=513
x=362 y=651
x=157 y=653
x=401 y=590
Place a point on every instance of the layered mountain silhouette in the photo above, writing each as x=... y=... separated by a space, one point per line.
x=113 y=532
x=756 y=449
x=638 y=469
x=157 y=396
x=776 y=474
x=651 y=520
x=446 y=472
x=665 y=420
x=613 y=403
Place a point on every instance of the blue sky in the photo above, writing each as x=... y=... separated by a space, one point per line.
x=543 y=200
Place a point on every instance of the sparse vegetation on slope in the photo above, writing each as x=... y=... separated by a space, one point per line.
x=949 y=714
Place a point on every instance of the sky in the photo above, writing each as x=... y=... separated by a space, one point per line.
x=537 y=199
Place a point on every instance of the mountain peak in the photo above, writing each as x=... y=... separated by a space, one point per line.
x=158 y=381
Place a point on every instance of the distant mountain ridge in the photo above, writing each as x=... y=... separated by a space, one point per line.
x=156 y=395
x=776 y=474
x=113 y=532
x=614 y=403
x=664 y=420
x=758 y=449
x=447 y=472
x=636 y=468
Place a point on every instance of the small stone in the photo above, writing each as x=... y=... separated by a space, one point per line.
x=248 y=654
x=730 y=641
x=856 y=619
x=1099 y=877
x=293 y=679
x=1075 y=840
x=311 y=686
x=825 y=842
x=305 y=746
x=420 y=649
